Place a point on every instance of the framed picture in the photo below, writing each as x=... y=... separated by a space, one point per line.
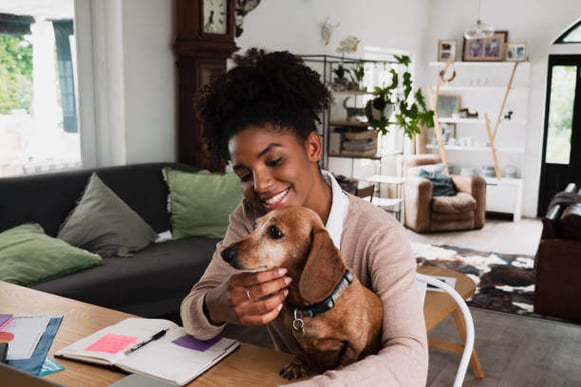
x=448 y=133
x=447 y=105
x=487 y=49
x=446 y=50
x=516 y=52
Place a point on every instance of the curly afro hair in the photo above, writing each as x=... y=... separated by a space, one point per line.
x=264 y=88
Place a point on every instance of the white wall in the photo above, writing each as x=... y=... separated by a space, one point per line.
x=148 y=76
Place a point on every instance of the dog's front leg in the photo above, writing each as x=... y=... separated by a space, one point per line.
x=295 y=369
x=350 y=355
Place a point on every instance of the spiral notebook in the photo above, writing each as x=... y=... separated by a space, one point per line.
x=136 y=345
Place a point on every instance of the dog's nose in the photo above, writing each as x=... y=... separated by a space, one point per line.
x=228 y=254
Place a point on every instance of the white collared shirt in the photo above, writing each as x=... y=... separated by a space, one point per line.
x=339 y=208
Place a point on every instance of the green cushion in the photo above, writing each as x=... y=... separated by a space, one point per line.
x=103 y=223
x=200 y=203
x=28 y=256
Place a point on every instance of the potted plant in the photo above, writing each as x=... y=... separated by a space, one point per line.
x=357 y=73
x=410 y=109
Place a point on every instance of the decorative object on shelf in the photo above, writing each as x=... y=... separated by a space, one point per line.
x=447 y=105
x=486 y=49
x=448 y=133
x=242 y=8
x=410 y=110
x=349 y=45
x=450 y=78
x=479 y=30
x=327 y=31
x=357 y=73
x=446 y=49
x=465 y=113
x=516 y=52
x=353 y=112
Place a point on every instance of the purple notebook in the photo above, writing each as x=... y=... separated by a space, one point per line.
x=5 y=319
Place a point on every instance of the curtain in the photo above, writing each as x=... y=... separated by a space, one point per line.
x=63 y=29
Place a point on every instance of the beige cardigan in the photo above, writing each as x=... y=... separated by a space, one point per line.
x=375 y=246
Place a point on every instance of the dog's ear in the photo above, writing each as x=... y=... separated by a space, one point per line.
x=323 y=269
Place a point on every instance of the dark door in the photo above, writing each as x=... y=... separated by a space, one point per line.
x=561 y=161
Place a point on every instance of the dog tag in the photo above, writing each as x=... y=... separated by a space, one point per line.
x=298 y=323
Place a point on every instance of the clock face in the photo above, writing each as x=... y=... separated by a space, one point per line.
x=215 y=16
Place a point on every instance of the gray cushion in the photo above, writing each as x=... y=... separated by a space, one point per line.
x=102 y=223
x=442 y=185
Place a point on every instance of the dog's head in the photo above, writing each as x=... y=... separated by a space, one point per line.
x=296 y=239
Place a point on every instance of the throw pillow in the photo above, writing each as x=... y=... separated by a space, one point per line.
x=200 y=203
x=28 y=256
x=103 y=223
x=437 y=168
x=441 y=184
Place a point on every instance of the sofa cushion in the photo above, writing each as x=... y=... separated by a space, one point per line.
x=102 y=223
x=200 y=203
x=436 y=168
x=461 y=202
x=442 y=185
x=29 y=256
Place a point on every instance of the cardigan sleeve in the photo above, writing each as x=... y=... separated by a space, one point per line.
x=192 y=307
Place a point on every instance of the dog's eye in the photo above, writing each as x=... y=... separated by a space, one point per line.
x=274 y=232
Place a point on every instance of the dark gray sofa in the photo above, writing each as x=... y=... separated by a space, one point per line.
x=154 y=280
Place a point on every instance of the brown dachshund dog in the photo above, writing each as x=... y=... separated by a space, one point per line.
x=333 y=317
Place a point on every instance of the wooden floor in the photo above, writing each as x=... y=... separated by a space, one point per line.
x=514 y=350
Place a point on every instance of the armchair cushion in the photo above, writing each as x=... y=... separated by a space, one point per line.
x=442 y=184
x=460 y=203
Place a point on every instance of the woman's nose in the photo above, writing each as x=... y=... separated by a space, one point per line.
x=262 y=181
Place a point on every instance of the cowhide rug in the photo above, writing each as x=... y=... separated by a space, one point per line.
x=504 y=282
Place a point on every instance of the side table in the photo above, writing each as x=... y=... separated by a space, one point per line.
x=393 y=205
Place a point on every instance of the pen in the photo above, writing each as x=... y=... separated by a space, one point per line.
x=158 y=335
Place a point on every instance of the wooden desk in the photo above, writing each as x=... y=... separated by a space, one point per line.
x=438 y=305
x=248 y=366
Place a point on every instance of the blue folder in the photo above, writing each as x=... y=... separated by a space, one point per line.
x=33 y=365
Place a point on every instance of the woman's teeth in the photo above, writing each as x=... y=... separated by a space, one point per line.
x=276 y=198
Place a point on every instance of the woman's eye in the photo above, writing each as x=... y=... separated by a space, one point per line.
x=274 y=232
x=275 y=162
x=244 y=177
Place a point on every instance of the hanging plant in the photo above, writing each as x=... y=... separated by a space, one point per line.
x=411 y=110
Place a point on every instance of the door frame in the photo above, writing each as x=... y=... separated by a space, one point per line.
x=548 y=170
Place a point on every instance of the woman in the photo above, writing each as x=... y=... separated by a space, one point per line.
x=262 y=114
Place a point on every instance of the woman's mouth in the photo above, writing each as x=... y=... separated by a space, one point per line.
x=276 y=201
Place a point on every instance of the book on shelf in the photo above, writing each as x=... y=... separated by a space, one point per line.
x=154 y=347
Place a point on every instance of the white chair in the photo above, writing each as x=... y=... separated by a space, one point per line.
x=469 y=322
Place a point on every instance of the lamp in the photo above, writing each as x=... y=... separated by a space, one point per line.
x=479 y=30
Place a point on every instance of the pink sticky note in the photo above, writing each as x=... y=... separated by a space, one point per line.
x=112 y=343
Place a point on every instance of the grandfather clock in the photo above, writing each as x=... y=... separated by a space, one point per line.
x=204 y=41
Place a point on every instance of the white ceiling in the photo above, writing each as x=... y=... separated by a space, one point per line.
x=44 y=9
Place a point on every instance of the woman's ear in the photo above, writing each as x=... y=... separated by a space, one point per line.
x=314 y=147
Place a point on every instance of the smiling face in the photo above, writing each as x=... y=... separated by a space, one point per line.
x=277 y=169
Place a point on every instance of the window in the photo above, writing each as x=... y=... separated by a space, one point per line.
x=562 y=100
x=571 y=35
x=38 y=110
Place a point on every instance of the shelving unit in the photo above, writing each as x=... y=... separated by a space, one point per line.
x=488 y=87
x=334 y=120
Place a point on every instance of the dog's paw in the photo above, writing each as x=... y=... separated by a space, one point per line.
x=293 y=371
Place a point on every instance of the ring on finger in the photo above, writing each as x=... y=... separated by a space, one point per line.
x=248 y=295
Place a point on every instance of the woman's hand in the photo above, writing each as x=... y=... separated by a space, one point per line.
x=248 y=298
